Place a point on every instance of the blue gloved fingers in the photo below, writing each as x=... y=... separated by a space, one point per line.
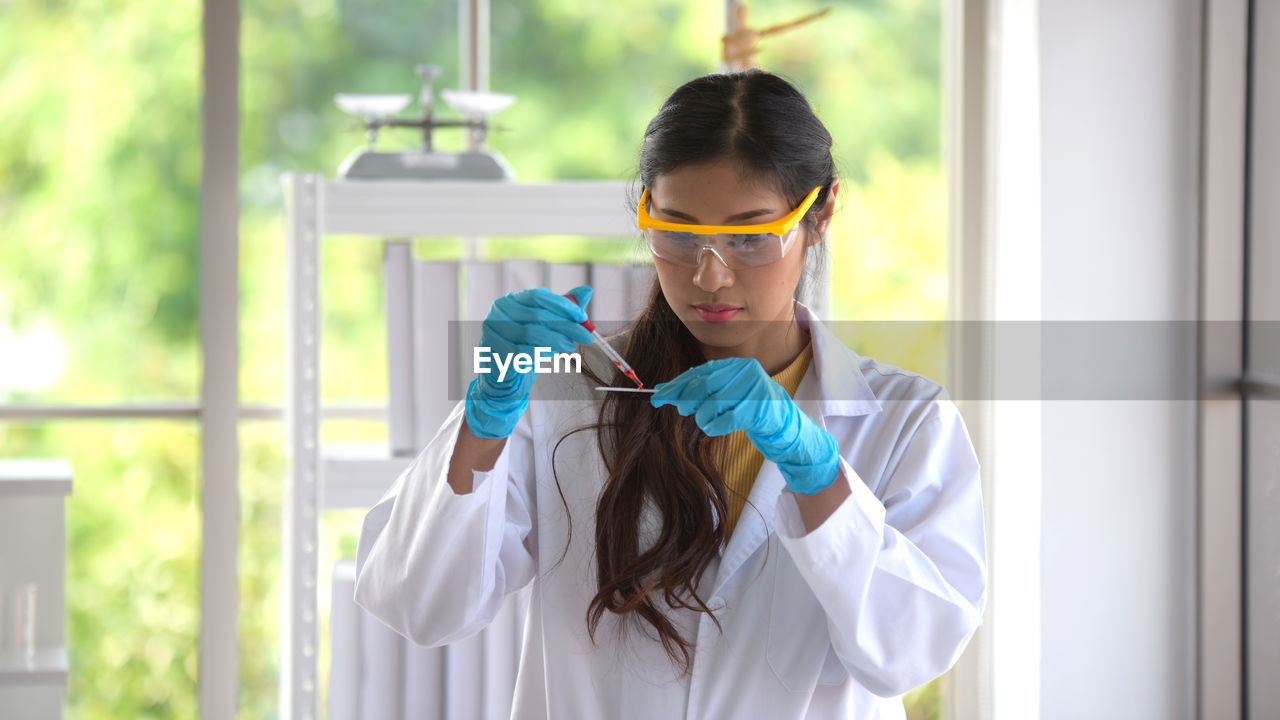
x=693 y=394
x=507 y=310
x=520 y=337
x=736 y=394
x=723 y=384
x=737 y=415
x=719 y=417
x=582 y=294
x=571 y=335
x=522 y=326
x=521 y=322
x=774 y=414
x=542 y=305
x=712 y=392
x=663 y=394
x=729 y=383
x=689 y=387
x=763 y=409
x=669 y=393
x=542 y=308
x=699 y=380
x=525 y=338
x=735 y=378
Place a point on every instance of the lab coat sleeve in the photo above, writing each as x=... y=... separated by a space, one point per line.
x=434 y=565
x=903 y=581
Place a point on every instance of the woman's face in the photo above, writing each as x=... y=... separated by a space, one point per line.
x=744 y=312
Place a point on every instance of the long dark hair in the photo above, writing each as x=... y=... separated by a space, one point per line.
x=661 y=465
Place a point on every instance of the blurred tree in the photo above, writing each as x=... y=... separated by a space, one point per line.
x=99 y=192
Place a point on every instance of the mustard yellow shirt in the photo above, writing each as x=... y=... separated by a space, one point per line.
x=742 y=459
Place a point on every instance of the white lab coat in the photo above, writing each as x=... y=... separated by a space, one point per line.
x=836 y=623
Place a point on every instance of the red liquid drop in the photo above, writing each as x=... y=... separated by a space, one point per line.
x=635 y=379
x=629 y=374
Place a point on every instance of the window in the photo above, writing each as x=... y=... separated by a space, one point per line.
x=100 y=197
x=99 y=356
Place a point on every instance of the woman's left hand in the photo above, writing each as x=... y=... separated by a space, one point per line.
x=736 y=394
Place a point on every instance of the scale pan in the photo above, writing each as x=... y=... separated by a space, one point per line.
x=371 y=105
x=477 y=103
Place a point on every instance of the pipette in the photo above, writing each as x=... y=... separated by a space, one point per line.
x=608 y=350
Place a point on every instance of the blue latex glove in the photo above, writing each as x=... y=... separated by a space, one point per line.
x=518 y=323
x=736 y=394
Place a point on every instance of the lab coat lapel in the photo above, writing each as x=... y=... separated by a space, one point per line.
x=755 y=523
x=834 y=385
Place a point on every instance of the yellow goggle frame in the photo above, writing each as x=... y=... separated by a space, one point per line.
x=778 y=227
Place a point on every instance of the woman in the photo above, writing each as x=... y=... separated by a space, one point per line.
x=782 y=530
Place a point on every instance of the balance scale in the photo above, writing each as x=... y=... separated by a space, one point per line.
x=425 y=163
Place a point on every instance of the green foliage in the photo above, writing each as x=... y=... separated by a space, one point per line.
x=925 y=702
x=132 y=590
x=99 y=225
x=261 y=469
x=99 y=192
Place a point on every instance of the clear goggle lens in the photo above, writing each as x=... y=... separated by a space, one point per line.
x=734 y=249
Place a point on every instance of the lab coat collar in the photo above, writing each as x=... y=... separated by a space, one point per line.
x=834 y=384
x=832 y=387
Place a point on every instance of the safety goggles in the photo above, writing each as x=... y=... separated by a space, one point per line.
x=735 y=245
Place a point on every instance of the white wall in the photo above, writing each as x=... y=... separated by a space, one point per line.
x=1119 y=108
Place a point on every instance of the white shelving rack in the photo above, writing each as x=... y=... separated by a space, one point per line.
x=33 y=548
x=317 y=479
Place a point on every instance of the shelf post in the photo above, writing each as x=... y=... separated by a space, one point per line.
x=300 y=528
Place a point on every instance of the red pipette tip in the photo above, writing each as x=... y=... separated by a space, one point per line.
x=631 y=375
x=607 y=350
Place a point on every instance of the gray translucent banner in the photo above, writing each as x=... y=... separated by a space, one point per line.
x=1061 y=360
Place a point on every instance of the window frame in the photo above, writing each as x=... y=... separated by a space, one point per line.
x=1224 y=110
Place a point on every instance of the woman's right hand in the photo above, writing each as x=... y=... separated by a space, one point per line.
x=519 y=323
